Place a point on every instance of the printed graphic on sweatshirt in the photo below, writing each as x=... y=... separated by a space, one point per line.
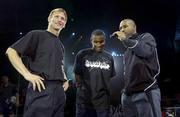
x=97 y=64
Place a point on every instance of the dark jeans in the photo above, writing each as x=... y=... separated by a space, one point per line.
x=91 y=112
x=144 y=104
x=48 y=103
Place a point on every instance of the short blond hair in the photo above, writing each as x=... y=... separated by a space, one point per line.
x=58 y=10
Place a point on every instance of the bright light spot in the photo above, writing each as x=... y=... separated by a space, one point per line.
x=116 y=55
x=113 y=54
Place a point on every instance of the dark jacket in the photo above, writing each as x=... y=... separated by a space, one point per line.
x=141 y=63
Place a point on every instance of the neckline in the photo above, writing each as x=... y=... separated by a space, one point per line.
x=94 y=51
x=51 y=34
x=134 y=36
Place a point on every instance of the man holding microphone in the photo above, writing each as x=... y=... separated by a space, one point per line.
x=141 y=96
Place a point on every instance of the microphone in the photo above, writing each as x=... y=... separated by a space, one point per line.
x=114 y=35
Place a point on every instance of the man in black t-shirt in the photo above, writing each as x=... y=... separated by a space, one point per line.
x=93 y=70
x=45 y=69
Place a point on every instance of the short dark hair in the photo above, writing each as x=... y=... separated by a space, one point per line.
x=98 y=32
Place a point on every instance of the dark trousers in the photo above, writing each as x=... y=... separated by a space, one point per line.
x=47 y=103
x=91 y=112
x=144 y=104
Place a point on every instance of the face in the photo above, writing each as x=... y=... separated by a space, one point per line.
x=127 y=27
x=98 y=43
x=57 y=21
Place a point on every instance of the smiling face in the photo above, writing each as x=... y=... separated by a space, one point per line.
x=57 y=20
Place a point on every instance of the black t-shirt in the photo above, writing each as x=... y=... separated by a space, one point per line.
x=45 y=53
x=96 y=69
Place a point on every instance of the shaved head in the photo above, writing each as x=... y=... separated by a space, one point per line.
x=130 y=22
x=128 y=27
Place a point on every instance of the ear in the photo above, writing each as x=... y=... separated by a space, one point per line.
x=49 y=18
x=91 y=42
x=64 y=26
x=104 y=41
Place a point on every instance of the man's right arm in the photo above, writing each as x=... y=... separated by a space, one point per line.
x=17 y=63
x=77 y=69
